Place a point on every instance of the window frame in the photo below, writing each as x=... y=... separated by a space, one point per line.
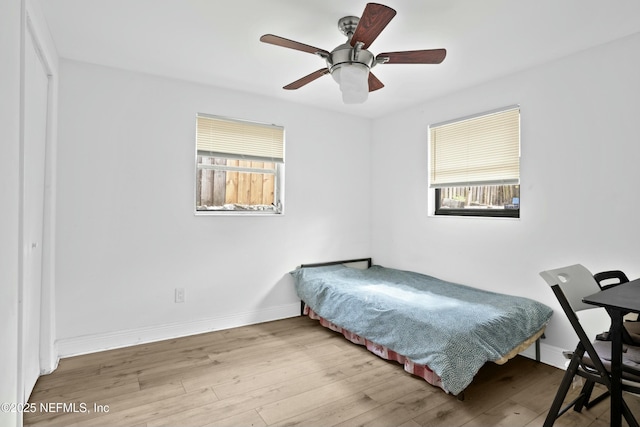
x=471 y=212
x=279 y=170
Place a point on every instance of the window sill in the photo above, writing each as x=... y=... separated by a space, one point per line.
x=237 y=213
x=473 y=215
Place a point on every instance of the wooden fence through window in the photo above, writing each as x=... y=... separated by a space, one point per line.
x=488 y=195
x=219 y=187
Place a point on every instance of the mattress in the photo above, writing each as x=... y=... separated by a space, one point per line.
x=451 y=329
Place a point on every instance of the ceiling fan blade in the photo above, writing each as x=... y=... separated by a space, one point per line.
x=373 y=20
x=281 y=41
x=430 y=56
x=374 y=83
x=307 y=79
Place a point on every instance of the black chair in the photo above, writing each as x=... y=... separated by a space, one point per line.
x=607 y=279
x=631 y=330
x=589 y=360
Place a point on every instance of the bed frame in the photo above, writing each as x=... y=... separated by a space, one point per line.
x=356 y=263
x=364 y=263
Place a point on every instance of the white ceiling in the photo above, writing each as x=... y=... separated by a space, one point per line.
x=216 y=42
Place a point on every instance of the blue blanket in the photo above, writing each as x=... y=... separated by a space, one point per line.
x=452 y=328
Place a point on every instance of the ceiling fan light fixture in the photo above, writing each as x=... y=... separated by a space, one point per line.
x=353 y=79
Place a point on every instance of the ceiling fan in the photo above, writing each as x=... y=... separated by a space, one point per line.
x=351 y=62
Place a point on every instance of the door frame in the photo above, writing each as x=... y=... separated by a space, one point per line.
x=34 y=26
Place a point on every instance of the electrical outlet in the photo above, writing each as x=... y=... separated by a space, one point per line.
x=179 y=294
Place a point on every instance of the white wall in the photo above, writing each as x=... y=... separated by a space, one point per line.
x=579 y=181
x=127 y=235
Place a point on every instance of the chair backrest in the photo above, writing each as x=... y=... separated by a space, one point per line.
x=576 y=283
x=608 y=279
x=571 y=284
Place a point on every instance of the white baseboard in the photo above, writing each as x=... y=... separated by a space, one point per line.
x=75 y=346
x=549 y=355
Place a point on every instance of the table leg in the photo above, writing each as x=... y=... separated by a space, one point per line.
x=616 y=367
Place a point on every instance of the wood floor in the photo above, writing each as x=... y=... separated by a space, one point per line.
x=291 y=372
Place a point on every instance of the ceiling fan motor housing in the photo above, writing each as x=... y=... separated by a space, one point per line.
x=346 y=54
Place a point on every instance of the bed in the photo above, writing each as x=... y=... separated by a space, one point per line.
x=441 y=331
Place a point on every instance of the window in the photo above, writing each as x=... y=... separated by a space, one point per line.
x=239 y=166
x=475 y=164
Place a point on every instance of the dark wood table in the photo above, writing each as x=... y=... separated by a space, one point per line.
x=617 y=300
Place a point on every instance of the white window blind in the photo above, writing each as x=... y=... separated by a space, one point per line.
x=239 y=139
x=481 y=150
